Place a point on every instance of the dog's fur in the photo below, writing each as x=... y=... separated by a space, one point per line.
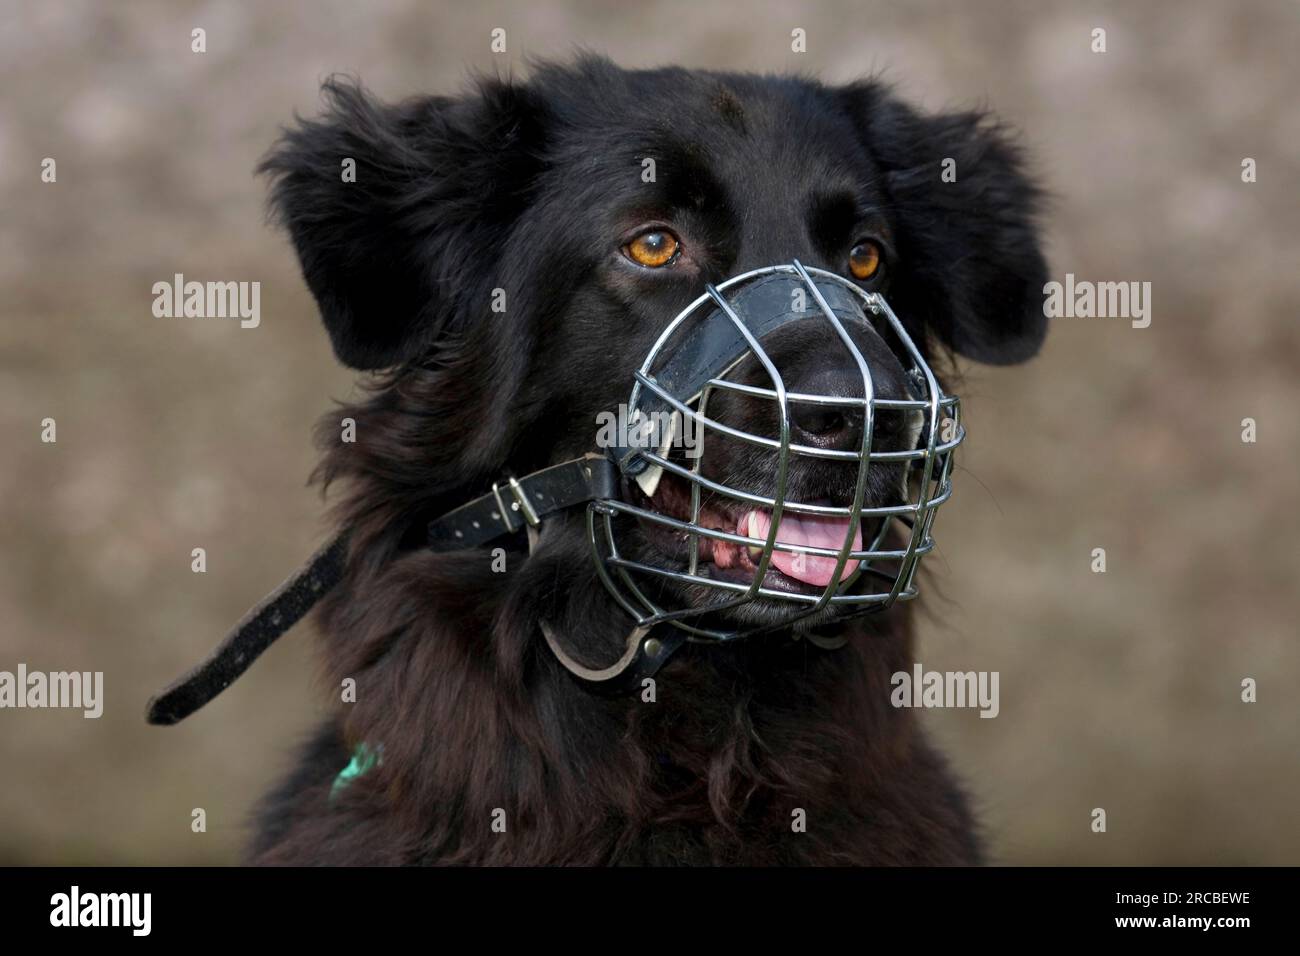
x=531 y=188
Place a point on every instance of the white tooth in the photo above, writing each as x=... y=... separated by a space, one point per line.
x=915 y=419
x=672 y=433
x=753 y=524
x=755 y=553
x=649 y=479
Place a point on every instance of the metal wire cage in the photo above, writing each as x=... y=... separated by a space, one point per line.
x=926 y=485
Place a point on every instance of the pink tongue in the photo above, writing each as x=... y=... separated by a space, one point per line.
x=808 y=530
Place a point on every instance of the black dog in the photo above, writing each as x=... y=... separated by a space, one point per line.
x=476 y=746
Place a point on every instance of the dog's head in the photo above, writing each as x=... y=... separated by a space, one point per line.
x=512 y=254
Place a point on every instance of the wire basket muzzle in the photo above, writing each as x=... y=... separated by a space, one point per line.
x=687 y=365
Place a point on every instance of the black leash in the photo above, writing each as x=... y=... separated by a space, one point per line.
x=511 y=506
x=257 y=630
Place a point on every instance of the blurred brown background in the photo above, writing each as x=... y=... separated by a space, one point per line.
x=1118 y=690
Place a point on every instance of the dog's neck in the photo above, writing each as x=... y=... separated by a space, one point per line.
x=456 y=683
x=451 y=671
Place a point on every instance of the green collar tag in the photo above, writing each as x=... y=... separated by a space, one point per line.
x=363 y=759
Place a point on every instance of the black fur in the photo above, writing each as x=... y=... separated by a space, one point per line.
x=533 y=188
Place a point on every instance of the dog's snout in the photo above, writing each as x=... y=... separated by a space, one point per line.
x=819 y=365
x=823 y=423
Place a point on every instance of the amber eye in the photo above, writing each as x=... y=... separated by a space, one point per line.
x=864 y=260
x=653 y=249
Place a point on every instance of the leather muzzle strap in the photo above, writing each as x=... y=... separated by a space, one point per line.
x=712 y=345
x=518 y=503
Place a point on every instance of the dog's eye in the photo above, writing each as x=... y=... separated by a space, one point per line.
x=864 y=260
x=653 y=249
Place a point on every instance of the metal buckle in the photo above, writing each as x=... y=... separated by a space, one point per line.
x=521 y=503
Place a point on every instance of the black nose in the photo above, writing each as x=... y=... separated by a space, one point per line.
x=839 y=427
x=825 y=425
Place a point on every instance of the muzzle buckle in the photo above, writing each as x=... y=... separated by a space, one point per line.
x=520 y=504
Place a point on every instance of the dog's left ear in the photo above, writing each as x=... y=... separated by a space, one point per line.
x=398 y=211
x=971 y=265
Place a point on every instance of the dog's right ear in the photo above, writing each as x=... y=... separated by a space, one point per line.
x=394 y=209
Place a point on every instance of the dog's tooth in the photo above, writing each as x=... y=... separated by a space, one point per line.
x=752 y=531
x=649 y=479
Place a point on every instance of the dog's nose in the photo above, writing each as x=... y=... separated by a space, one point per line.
x=839 y=426
x=822 y=424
